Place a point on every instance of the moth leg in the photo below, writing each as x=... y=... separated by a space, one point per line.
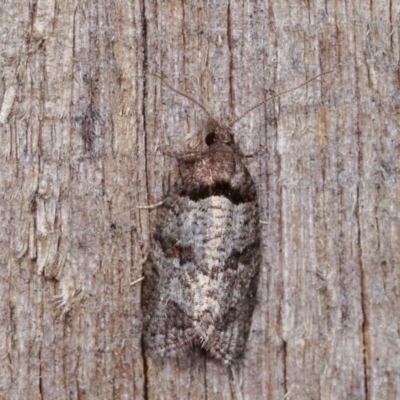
x=151 y=206
x=141 y=263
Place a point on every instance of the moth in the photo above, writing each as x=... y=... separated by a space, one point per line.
x=201 y=275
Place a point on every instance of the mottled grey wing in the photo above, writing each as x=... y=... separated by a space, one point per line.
x=201 y=277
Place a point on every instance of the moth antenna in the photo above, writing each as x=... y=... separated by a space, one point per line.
x=183 y=94
x=276 y=96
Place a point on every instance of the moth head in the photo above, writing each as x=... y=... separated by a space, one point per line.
x=218 y=134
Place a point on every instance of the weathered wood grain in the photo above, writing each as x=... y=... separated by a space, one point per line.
x=86 y=133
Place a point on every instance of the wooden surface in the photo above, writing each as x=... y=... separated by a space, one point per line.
x=86 y=135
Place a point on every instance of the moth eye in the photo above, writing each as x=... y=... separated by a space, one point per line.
x=211 y=138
